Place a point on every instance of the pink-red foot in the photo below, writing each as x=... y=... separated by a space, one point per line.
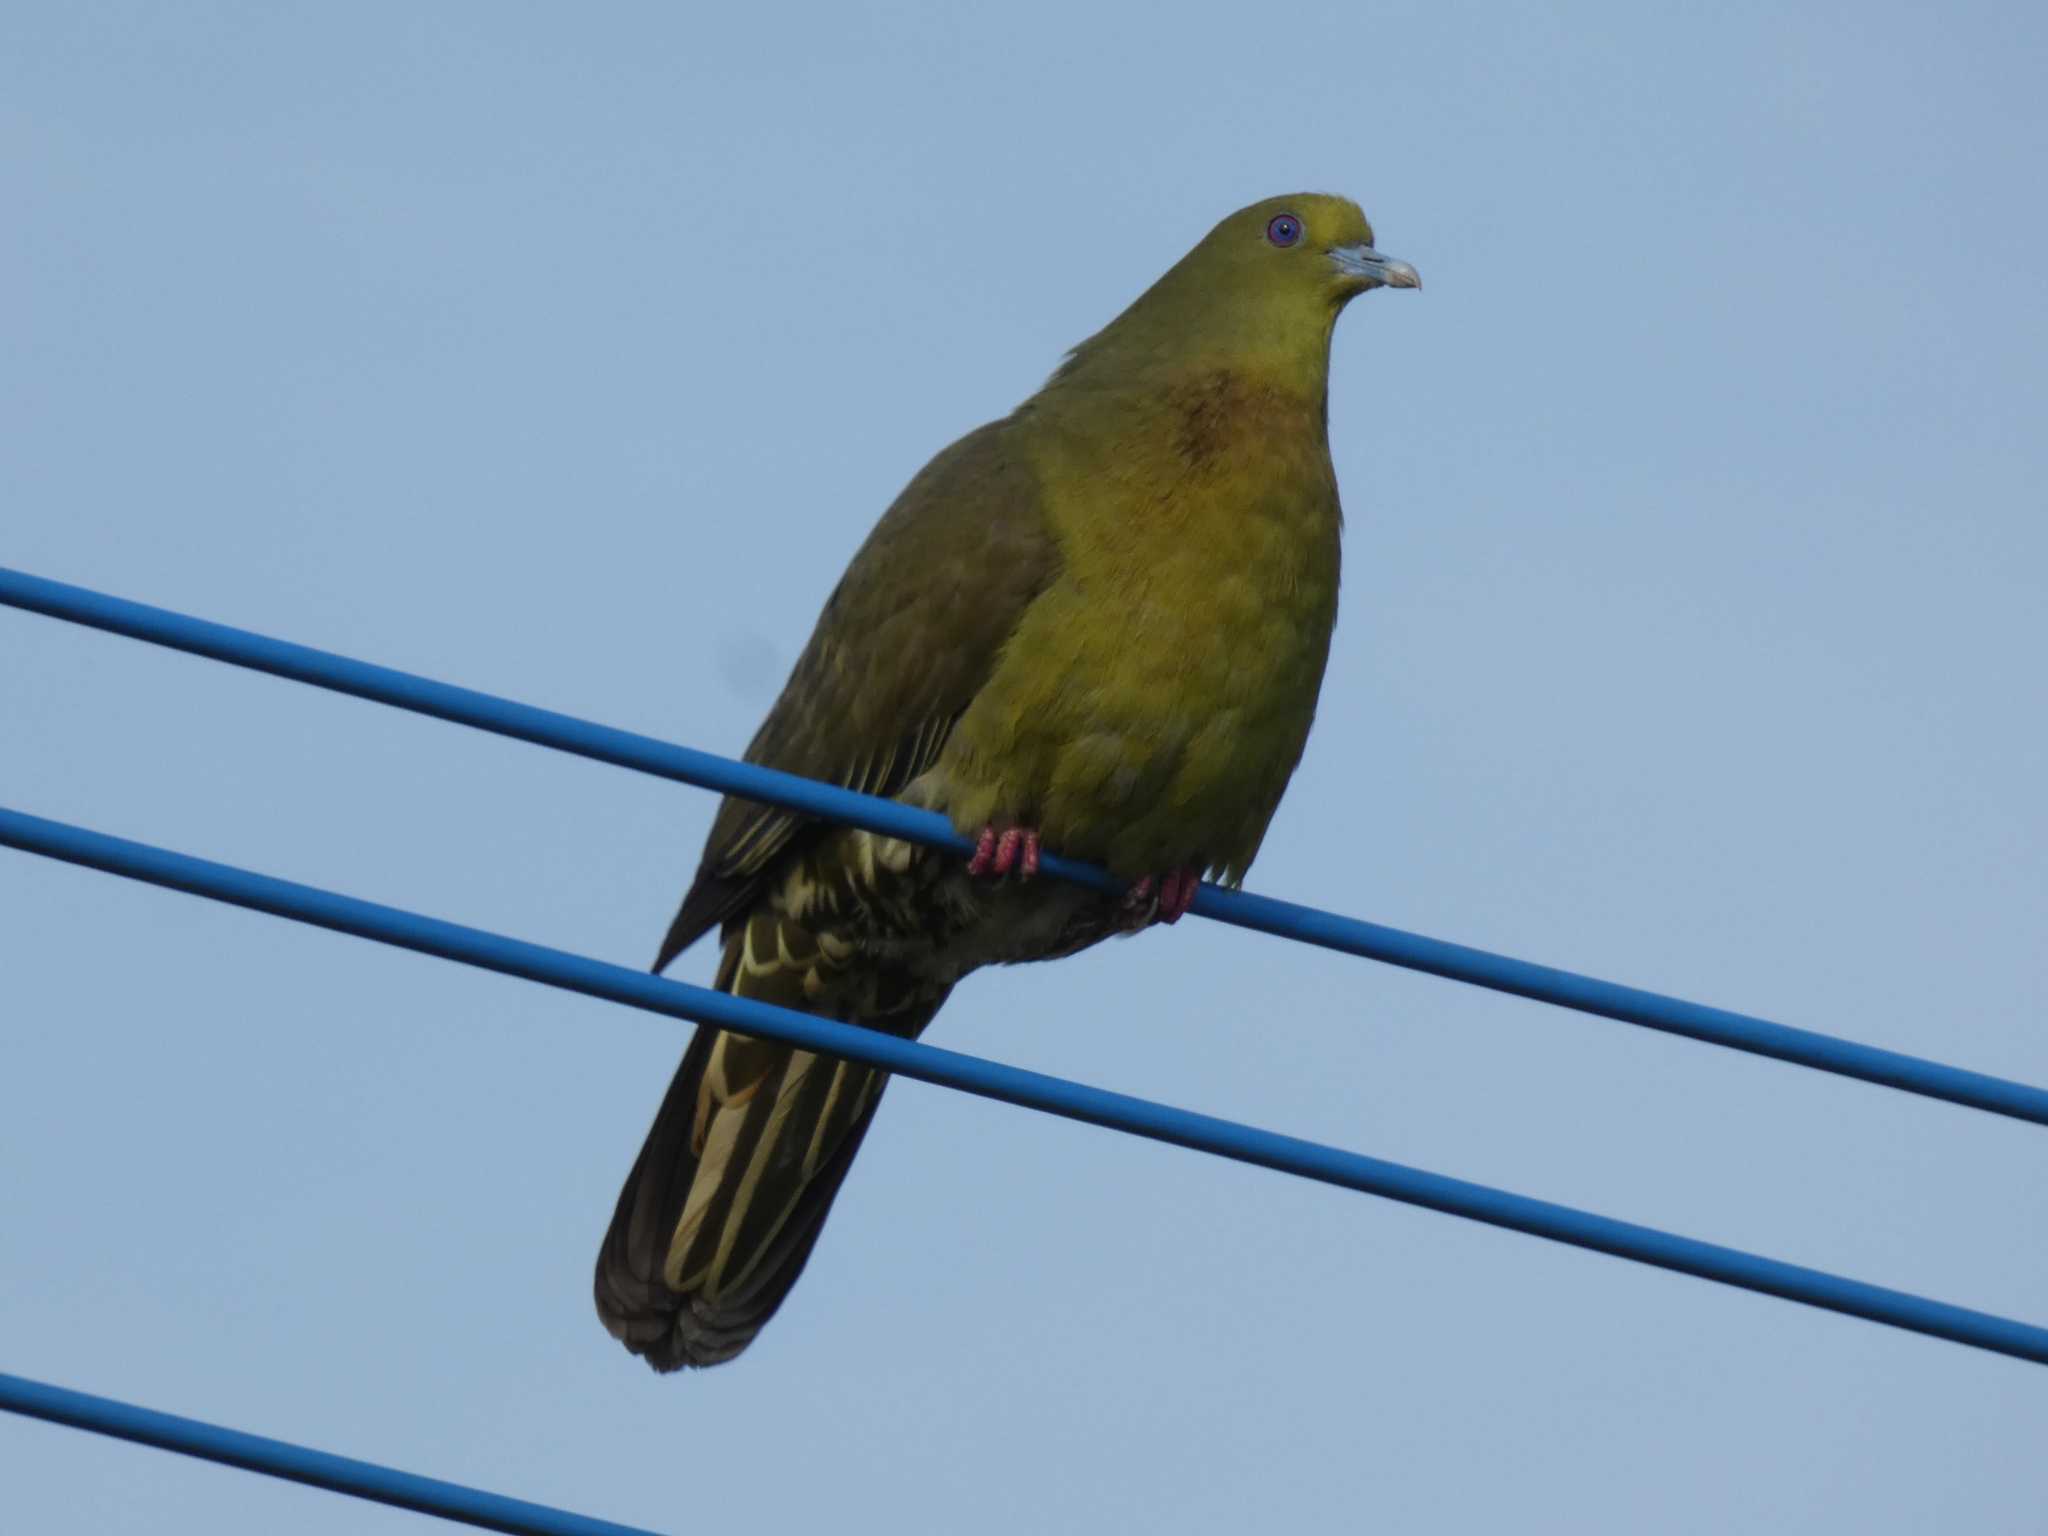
x=1176 y=890
x=1013 y=851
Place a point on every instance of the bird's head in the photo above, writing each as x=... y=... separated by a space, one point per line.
x=1307 y=249
x=1262 y=288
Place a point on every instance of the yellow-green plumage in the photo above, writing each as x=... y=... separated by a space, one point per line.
x=1104 y=618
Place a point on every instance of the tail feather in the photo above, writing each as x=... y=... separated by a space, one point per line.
x=735 y=1179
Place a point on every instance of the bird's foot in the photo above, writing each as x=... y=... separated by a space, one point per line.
x=1167 y=897
x=1012 y=851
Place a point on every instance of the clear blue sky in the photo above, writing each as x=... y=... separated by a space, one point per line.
x=1693 y=635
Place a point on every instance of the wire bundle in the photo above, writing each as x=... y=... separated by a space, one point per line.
x=1054 y=1095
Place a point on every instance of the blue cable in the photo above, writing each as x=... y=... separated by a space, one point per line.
x=1076 y=1101
x=645 y=754
x=297 y=1463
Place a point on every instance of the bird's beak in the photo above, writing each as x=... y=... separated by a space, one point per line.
x=1373 y=269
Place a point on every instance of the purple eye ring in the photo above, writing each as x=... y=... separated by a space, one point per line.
x=1283 y=230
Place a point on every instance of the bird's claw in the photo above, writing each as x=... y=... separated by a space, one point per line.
x=1175 y=894
x=1012 y=851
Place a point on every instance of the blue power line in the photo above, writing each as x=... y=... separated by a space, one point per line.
x=645 y=754
x=297 y=1463
x=1076 y=1101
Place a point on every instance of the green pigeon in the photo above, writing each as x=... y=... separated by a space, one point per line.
x=1097 y=626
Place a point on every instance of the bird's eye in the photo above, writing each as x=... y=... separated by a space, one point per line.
x=1283 y=229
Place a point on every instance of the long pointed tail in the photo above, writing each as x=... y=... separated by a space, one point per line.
x=738 y=1173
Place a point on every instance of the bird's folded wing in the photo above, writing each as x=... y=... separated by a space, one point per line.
x=907 y=639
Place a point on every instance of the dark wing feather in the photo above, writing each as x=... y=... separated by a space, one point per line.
x=906 y=640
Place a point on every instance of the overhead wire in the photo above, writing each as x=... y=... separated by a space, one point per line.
x=297 y=1463
x=1034 y=1090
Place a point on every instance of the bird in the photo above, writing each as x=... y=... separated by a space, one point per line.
x=1097 y=627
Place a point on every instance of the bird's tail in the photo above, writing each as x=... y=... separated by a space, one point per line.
x=735 y=1179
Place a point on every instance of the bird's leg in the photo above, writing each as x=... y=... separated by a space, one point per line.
x=1176 y=893
x=1012 y=851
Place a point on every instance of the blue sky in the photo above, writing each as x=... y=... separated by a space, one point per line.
x=1692 y=635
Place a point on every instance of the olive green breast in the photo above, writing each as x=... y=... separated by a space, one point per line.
x=1153 y=701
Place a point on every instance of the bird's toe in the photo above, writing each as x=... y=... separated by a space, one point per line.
x=1013 y=851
